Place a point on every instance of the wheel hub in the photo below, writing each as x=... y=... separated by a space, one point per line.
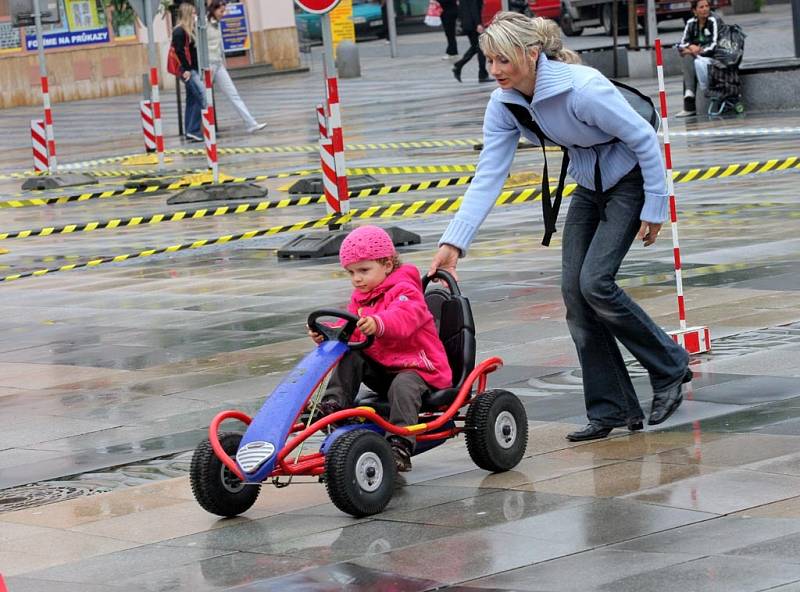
x=230 y=482
x=505 y=429
x=369 y=471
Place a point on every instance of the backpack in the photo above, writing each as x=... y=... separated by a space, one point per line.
x=641 y=103
x=173 y=62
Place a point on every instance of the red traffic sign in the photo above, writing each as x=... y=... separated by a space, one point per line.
x=317 y=6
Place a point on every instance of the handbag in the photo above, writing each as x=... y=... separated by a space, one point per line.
x=433 y=18
x=173 y=62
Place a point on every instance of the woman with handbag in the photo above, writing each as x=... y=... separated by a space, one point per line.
x=219 y=74
x=184 y=48
x=622 y=193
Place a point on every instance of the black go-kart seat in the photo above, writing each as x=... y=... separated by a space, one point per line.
x=453 y=316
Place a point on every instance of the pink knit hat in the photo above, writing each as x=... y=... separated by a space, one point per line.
x=366 y=243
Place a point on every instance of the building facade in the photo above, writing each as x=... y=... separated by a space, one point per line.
x=99 y=47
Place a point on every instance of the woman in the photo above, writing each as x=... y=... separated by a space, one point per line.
x=449 y=18
x=219 y=74
x=469 y=11
x=183 y=40
x=696 y=48
x=579 y=108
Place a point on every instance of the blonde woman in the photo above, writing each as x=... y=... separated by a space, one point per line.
x=216 y=61
x=622 y=191
x=183 y=40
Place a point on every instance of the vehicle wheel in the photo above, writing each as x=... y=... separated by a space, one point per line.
x=608 y=23
x=496 y=431
x=567 y=24
x=360 y=473
x=739 y=108
x=214 y=486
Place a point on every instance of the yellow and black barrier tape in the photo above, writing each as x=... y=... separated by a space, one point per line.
x=223 y=210
x=404 y=210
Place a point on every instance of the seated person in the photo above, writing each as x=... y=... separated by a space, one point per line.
x=696 y=48
x=407 y=358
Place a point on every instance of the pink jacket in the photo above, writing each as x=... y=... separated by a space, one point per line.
x=407 y=337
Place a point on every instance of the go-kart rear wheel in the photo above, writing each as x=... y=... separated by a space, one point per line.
x=496 y=431
x=214 y=486
x=360 y=473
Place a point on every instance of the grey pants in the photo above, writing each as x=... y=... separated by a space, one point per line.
x=694 y=69
x=404 y=389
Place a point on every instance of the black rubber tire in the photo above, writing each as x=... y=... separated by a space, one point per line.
x=206 y=475
x=483 y=445
x=567 y=24
x=341 y=465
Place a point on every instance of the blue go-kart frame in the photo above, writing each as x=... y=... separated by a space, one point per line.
x=355 y=460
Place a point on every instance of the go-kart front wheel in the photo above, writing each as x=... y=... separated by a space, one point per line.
x=214 y=486
x=360 y=473
x=496 y=431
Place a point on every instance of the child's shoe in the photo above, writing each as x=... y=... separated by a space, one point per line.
x=324 y=408
x=401 y=451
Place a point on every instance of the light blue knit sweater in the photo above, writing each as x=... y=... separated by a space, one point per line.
x=575 y=106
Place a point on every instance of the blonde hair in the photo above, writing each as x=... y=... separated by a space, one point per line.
x=511 y=32
x=186 y=18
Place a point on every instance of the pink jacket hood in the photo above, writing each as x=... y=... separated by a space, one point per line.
x=407 y=338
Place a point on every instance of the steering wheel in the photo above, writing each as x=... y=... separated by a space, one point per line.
x=445 y=276
x=341 y=333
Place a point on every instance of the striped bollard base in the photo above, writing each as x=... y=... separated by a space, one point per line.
x=148 y=126
x=695 y=340
x=39 y=142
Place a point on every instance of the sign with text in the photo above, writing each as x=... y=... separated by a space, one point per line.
x=317 y=6
x=342 y=28
x=69 y=38
x=233 y=26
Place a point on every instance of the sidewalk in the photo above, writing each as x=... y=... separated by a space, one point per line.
x=109 y=376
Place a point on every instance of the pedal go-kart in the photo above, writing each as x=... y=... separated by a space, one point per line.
x=355 y=460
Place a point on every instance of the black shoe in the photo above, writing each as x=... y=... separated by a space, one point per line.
x=667 y=402
x=457 y=72
x=401 y=451
x=635 y=425
x=593 y=431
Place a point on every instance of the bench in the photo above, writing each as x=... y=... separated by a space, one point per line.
x=767 y=85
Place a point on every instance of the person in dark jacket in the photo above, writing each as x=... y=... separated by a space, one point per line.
x=469 y=11
x=696 y=49
x=449 y=18
x=183 y=40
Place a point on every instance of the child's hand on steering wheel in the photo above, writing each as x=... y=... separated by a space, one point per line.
x=316 y=337
x=367 y=325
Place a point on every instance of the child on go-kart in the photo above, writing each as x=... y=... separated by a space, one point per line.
x=407 y=358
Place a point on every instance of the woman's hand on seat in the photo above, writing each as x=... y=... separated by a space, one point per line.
x=446 y=259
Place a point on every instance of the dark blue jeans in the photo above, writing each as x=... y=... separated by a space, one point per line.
x=195 y=103
x=599 y=312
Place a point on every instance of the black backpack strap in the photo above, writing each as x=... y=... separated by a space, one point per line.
x=550 y=206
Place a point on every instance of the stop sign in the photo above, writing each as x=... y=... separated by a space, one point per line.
x=317 y=6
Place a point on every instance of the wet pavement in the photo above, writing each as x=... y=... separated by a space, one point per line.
x=110 y=375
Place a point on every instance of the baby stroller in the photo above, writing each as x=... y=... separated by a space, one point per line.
x=724 y=84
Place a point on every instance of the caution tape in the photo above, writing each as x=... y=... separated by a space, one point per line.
x=224 y=210
x=404 y=210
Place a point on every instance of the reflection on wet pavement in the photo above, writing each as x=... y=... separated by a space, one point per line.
x=109 y=377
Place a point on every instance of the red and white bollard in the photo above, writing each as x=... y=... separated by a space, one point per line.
x=148 y=126
x=155 y=103
x=48 y=124
x=336 y=136
x=39 y=143
x=209 y=128
x=694 y=339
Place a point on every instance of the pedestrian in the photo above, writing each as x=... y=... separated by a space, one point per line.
x=580 y=109
x=696 y=49
x=449 y=17
x=407 y=358
x=183 y=40
x=469 y=11
x=219 y=74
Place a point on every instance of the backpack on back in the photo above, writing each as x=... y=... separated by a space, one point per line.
x=640 y=102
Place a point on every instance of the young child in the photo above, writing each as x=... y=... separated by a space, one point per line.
x=407 y=358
